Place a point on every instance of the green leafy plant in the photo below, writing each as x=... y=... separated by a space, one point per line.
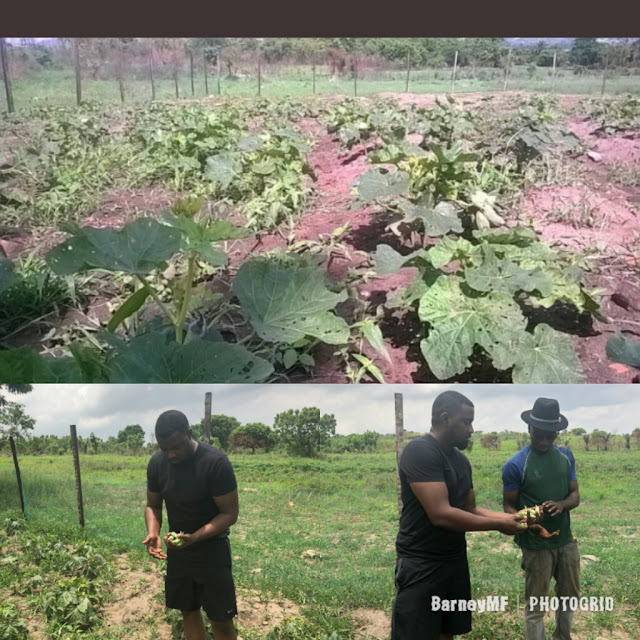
x=479 y=303
x=12 y=626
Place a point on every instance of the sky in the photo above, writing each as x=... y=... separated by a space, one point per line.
x=106 y=409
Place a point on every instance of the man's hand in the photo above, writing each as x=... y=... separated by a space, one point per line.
x=510 y=525
x=154 y=546
x=187 y=540
x=554 y=508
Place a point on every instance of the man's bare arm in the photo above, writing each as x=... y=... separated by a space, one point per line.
x=434 y=498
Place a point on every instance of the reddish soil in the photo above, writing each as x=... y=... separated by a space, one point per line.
x=595 y=215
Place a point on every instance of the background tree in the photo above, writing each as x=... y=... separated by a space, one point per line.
x=491 y=441
x=635 y=434
x=586 y=52
x=132 y=437
x=15 y=422
x=586 y=437
x=578 y=431
x=304 y=431
x=253 y=435
x=627 y=440
x=13 y=388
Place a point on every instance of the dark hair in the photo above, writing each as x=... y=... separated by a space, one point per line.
x=169 y=422
x=447 y=402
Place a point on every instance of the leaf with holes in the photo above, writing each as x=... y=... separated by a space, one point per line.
x=459 y=321
x=503 y=275
x=437 y=220
x=223 y=168
x=286 y=301
x=546 y=357
x=140 y=247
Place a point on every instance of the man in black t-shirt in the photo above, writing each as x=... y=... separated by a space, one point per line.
x=197 y=483
x=439 y=505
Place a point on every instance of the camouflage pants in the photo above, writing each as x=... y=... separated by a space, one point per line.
x=540 y=565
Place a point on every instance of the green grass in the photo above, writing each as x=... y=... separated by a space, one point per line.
x=58 y=86
x=343 y=508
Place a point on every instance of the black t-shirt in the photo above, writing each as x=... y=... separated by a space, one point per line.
x=424 y=460
x=188 y=488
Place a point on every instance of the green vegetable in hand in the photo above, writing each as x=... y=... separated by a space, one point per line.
x=531 y=515
x=174 y=540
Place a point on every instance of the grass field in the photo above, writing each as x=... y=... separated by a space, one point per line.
x=58 y=86
x=321 y=532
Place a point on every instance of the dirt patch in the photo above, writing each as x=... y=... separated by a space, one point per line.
x=135 y=604
x=581 y=218
x=372 y=623
x=256 y=613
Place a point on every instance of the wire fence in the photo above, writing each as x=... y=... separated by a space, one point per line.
x=87 y=70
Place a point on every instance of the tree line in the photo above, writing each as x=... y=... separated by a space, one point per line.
x=299 y=432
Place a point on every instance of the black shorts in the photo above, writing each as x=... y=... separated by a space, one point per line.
x=202 y=578
x=417 y=581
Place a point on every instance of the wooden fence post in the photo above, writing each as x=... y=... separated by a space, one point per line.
x=604 y=74
x=207 y=417
x=313 y=71
x=204 y=66
x=76 y=465
x=119 y=67
x=153 y=83
x=455 y=69
x=6 y=74
x=399 y=441
x=355 y=76
x=193 y=92
x=553 y=73
x=219 y=65
x=406 y=85
x=14 y=453
x=76 y=57
x=506 y=75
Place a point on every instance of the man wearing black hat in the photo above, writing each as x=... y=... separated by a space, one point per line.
x=545 y=474
x=439 y=505
x=197 y=483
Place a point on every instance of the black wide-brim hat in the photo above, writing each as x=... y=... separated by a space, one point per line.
x=545 y=415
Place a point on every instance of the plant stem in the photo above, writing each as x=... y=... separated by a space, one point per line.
x=159 y=302
x=186 y=298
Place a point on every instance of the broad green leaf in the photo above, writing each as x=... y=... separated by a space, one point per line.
x=286 y=301
x=546 y=357
x=503 y=275
x=90 y=362
x=388 y=261
x=376 y=184
x=127 y=308
x=141 y=246
x=623 y=350
x=264 y=168
x=250 y=143
x=459 y=321
x=198 y=237
x=25 y=365
x=7 y=274
x=447 y=250
x=519 y=236
x=152 y=358
x=290 y=358
x=223 y=168
x=438 y=220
